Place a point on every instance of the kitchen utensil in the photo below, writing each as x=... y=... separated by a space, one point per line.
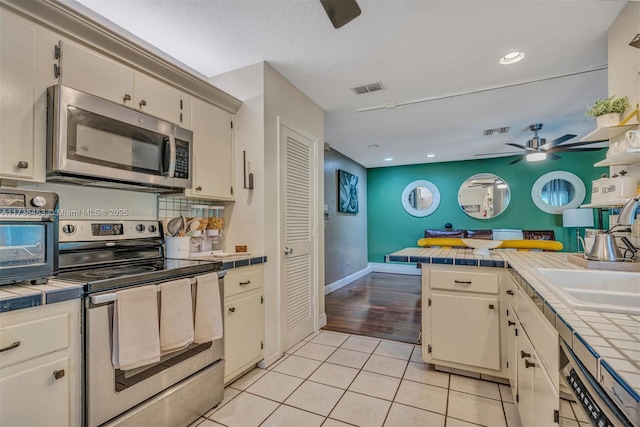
x=175 y=226
x=604 y=248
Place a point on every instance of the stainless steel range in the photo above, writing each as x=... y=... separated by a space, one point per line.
x=110 y=257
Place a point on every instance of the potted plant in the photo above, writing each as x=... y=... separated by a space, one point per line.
x=608 y=111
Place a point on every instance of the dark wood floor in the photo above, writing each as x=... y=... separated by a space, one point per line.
x=377 y=305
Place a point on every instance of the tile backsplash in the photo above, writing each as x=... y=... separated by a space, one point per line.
x=175 y=206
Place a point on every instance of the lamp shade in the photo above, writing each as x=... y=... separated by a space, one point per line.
x=577 y=218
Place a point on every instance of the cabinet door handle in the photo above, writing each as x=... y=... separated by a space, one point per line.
x=23 y=165
x=198 y=188
x=143 y=103
x=510 y=292
x=528 y=364
x=248 y=282
x=12 y=346
x=523 y=354
x=232 y=309
x=462 y=282
x=58 y=374
x=126 y=97
x=491 y=306
x=510 y=323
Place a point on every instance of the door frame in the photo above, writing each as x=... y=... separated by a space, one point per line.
x=315 y=245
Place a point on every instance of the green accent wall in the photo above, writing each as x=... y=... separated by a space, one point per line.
x=390 y=228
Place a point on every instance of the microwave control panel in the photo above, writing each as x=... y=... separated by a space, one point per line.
x=182 y=160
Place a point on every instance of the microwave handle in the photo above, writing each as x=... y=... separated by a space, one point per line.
x=170 y=172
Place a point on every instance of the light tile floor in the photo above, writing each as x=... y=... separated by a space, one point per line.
x=335 y=379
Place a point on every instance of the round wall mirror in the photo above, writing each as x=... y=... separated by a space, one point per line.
x=484 y=196
x=556 y=191
x=420 y=198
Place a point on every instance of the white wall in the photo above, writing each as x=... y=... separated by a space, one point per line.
x=74 y=199
x=244 y=218
x=624 y=65
x=267 y=99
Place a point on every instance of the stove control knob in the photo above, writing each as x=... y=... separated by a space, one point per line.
x=140 y=228
x=117 y=229
x=68 y=229
x=152 y=228
x=38 y=201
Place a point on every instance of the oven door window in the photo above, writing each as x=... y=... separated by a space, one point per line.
x=22 y=244
x=103 y=141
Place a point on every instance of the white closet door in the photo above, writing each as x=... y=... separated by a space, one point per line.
x=298 y=276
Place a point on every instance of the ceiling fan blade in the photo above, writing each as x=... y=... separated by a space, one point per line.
x=564 y=150
x=553 y=156
x=522 y=147
x=578 y=144
x=557 y=141
x=519 y=159
x=341 y=12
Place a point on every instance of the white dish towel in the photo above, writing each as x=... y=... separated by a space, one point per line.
x=136 y=337
x=176 y=315
x=208 y=323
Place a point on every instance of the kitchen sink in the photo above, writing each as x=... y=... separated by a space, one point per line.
x=595 y=290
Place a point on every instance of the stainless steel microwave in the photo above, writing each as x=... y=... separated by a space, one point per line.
x=93 y=141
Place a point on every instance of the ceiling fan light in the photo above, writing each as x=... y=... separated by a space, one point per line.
x=536 y=157
x=511 y=58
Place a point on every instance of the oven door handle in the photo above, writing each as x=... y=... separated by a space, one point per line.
x=112 y=296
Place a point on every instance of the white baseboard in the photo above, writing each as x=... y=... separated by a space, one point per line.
x=322 y=321
x=346 y=280
x=267 y=361
x=382 y=267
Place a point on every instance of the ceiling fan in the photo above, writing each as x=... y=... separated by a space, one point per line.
x=341 y=12
x=538 y=148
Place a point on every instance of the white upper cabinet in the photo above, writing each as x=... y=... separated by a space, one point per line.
x=26 y=70
x=212 y=152
x=90 y=72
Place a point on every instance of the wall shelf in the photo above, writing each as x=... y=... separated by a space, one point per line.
x=607 y=133
x=629 y=157
x=616 y=203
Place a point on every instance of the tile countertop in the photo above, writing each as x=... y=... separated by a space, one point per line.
x=607 y=343
x=234 y=260
x=18 y=296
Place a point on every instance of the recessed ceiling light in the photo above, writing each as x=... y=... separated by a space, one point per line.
x=431 y=155
x=511 y=58
x=374 y=146
x=388 y=159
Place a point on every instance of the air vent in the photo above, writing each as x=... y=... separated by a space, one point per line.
x=488 y=132
x=359 y=90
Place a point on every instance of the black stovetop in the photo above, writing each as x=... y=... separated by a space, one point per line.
x=132 y=273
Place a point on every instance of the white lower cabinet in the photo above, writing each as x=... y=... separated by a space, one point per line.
x=474 y=322
x=476 y=319
x=461 y=314
x=243 y=320
x=538 y=401
x=40 y=367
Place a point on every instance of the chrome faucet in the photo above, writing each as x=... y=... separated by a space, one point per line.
x=627 y=215
x=626 y=218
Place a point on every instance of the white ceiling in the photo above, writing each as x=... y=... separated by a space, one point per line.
x=445 y=52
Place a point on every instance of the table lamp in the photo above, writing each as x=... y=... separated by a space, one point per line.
x=577 y=218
